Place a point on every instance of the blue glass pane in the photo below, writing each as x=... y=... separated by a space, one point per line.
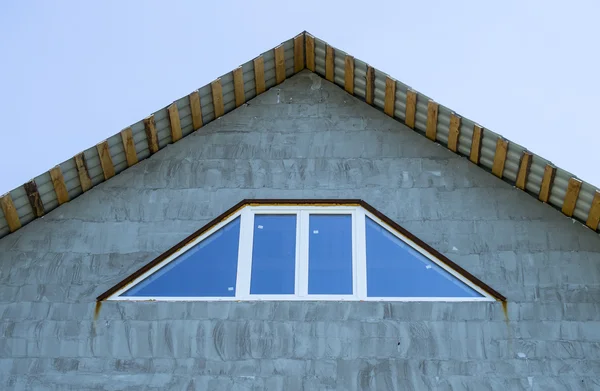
x=207 y=269
x=394 y=269
x=274 y=254
x=330 y=255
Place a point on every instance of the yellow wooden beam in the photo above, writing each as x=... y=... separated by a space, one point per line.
x=594 y=215
x=370 y=86
x=329 y=64
x=453 y=132
x=259 y=74
x=349 y=74
x=476 y=144
x=82 y=172
x=310 y=52
x=129 y=146
x=299 y=53
x=411 y=108
x=217 y=95
x=151 y=136
x=35 y=200
x=547 y=182
x=238 y=87
x=105 y=160
x=279 y=64
x=58 y=181
x=10 y=212
x=390 y=96
x=175 y=123
x=432 y=118
x=524 y=167
x=571 y=197
x=500 y=157
x=196 y=110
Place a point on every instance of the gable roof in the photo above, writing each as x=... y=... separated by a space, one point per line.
x=129 y=280
x=502 y=158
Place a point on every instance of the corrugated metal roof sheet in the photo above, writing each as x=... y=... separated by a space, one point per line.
x=587 y=197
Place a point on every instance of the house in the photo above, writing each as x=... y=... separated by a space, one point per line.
x=303 y=126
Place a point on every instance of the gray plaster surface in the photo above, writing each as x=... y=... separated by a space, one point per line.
x=317 y=143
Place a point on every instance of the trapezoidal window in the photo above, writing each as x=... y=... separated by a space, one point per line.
x=302 y=252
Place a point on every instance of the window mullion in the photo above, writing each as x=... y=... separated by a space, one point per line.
x=302 y=254
x=360 y=248
x=244 y=270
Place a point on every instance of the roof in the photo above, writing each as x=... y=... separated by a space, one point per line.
x=492 y=152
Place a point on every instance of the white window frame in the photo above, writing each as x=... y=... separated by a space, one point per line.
x=359 y=258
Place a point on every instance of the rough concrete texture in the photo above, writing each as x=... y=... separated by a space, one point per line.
x=317 y=143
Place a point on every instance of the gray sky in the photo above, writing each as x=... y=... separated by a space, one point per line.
x=75 y=72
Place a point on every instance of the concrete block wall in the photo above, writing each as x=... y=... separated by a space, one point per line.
x=317 y=142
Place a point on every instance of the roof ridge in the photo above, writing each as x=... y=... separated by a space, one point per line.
x=503 y=158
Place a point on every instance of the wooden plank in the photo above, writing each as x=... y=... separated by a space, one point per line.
x=349 y=74
x=259 y=74
x=547 y=181
x=390 y=96
x=58 y=181
x=524 y=167
x=175 y=123
x=84 y=176
x=10 y=212
x=453 y=132
x=238 y=87
x=432 y=119
x=35 y=200
x=571 y=197
x=279 y=64
x=411 y=108
x=500 y=157
x=299 y=53
x=370 y=85
x=594 y=215
x=329 y=64
x=151 y=136
x=476 y=144
x=217 y=95
x=129 y=146
x=196 y=110
x=310 y=52
x=105 y=160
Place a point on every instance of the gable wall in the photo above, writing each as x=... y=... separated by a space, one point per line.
x=317 y=142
